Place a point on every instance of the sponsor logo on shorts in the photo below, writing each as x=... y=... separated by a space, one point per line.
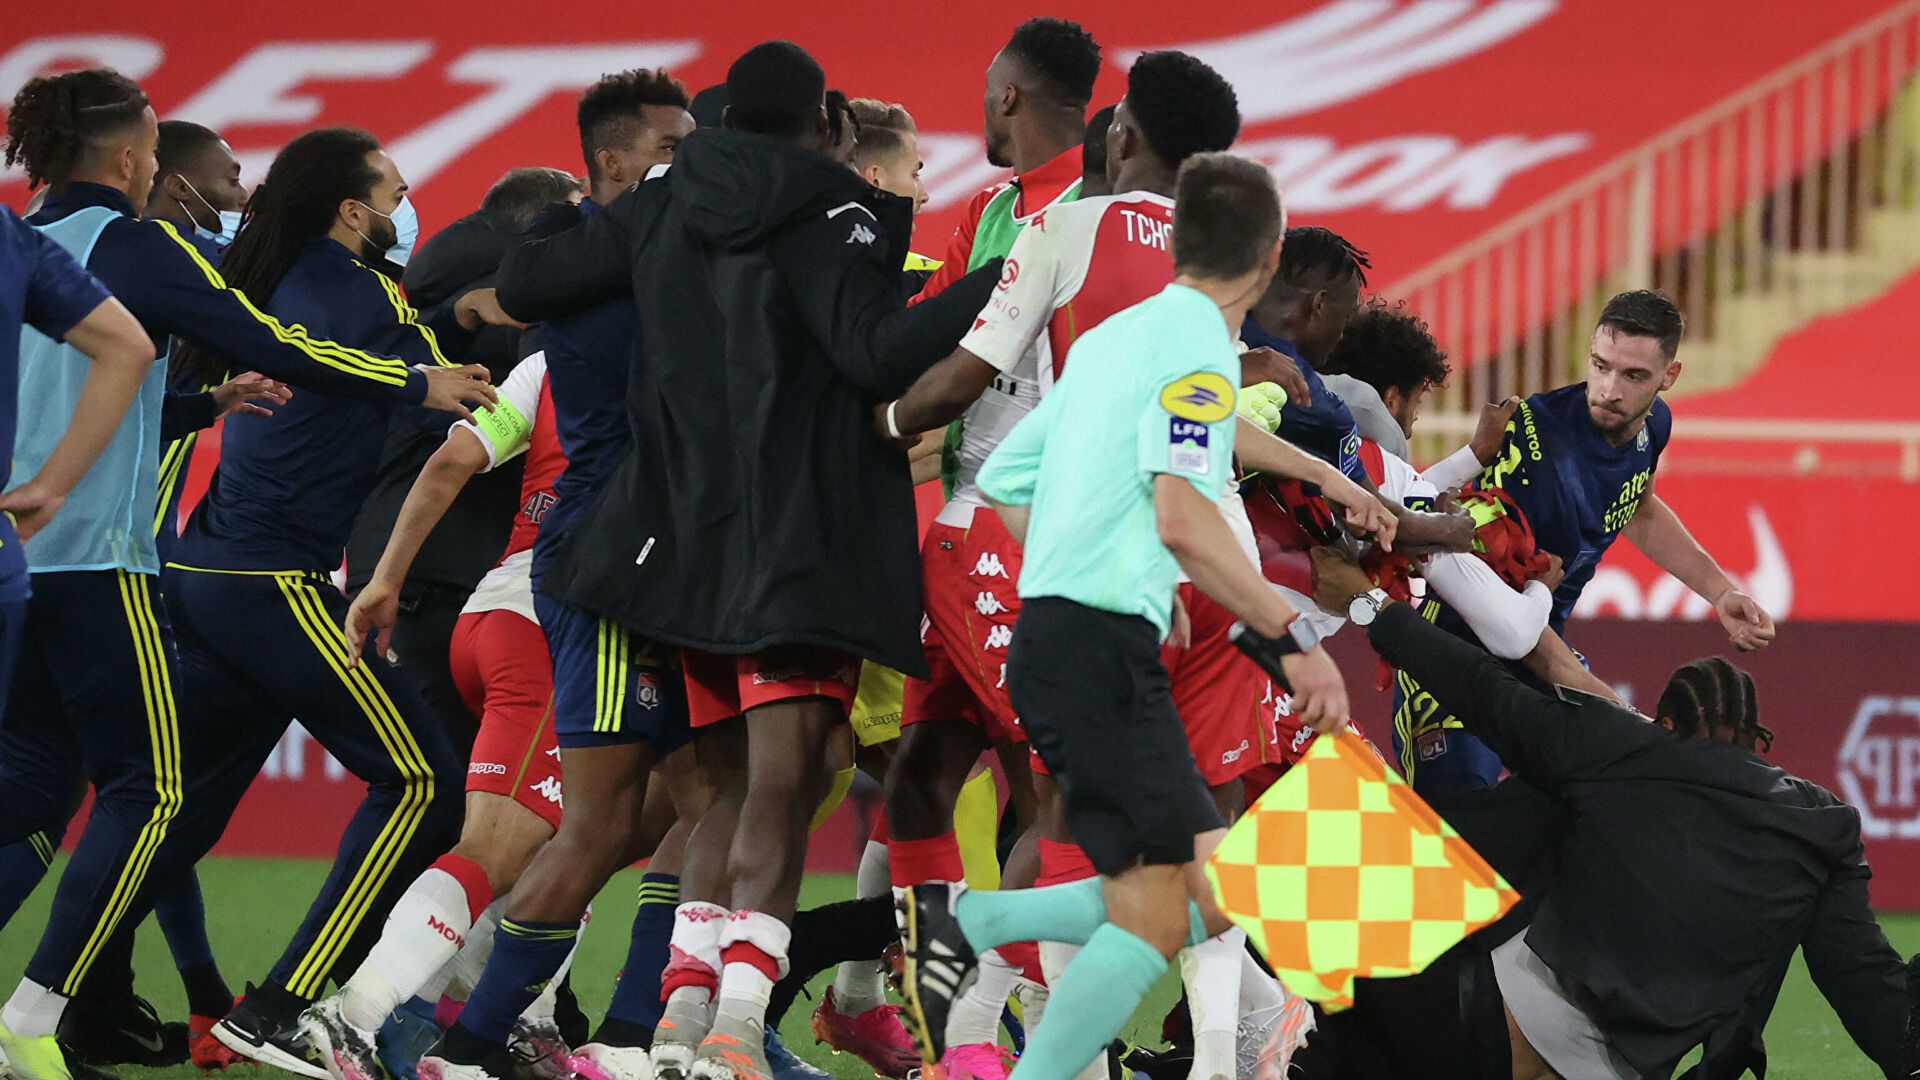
x=548 y=788
x=1234 y=754
x=988 y=604
x=1301 y=738
x=989 y=566
x=999 y=637
x=487 y=768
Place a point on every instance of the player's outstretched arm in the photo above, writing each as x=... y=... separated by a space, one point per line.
x=1191 y=527
x=121 y=353
x=1261 y=451
x=938 y=396
x=445 y=475
x=1554 y=660
x=1660 y=535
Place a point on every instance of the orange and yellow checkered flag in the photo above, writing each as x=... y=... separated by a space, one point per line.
x=1339 y=870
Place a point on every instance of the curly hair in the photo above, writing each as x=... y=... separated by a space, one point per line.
x=1181 y=105
x=56 y=118
x=1387 y=345
x=610 y=108
x=1060 y=56
x=1712 y=699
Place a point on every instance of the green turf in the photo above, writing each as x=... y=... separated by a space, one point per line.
x=253 y=905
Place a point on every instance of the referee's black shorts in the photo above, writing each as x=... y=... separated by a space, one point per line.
x=1097 y=704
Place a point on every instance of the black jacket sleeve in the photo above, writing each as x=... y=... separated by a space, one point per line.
x=849 y=298
x=1541 y=738
x=1856 y=970
x=183 y=414
x=178 y=292
x=547 y=277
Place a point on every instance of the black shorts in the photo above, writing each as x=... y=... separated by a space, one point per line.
x=1097 y=703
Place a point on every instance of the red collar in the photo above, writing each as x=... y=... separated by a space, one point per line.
x=1041 y=186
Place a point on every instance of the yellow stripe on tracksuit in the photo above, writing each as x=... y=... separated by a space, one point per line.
x=42 y=846
x=1404 y=721
x=610 y=682
x=392 y=371
x=163 y=731
x=408 y=316
x=310 y=974
x=173 y=465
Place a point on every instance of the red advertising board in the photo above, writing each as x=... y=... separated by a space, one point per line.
x=1843 y=700
x=1409 y=126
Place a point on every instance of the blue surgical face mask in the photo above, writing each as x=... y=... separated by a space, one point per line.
x=229 y=219
x=406 y=231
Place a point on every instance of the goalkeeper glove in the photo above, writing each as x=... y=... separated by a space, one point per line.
x=1260 y=403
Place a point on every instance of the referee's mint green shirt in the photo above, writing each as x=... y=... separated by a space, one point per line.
x=1148 y=391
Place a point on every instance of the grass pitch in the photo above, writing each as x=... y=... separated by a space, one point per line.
x=254 y=904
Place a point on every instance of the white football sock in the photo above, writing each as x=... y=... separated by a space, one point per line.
x=1259 y=991
x=1211 y=971
x=426 y=928
x=33 y=1010
x=860 y=985
x=745 y=989
x=463 y=971
x=1054 y=958
x=975 y=1018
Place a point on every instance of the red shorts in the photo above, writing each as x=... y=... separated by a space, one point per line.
x=722 y=685
x=1218 y=693
x=1292 y=739
x=967 y=576
x=500 y=665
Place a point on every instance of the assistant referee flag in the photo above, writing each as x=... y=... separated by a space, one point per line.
x=1340 y=871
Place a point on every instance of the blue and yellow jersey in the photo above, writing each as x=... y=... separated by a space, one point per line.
x=289 y=485
x=174 y=290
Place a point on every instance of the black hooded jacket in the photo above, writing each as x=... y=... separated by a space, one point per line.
x=757 y=506
x=469 y=539
x=1684 y=873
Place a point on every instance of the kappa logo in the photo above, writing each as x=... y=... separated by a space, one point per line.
x=860 y=235
x=988 y=604
x=1234 y=754
x=989 y=566
x=487 y=768
x=549 y=787
x=999 y=637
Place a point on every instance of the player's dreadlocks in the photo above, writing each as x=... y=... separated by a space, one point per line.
x=1712 y=699
x=55 y=120
x=1387 y=345
x=1060 y=56
x=1321 y=252
x=295 y=203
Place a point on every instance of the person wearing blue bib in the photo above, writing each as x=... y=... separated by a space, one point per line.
x=96 y=672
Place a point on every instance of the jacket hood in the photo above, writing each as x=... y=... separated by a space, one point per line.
x=456 y=257
x=735 y=188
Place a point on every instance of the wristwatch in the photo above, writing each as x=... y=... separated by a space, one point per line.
x=1299 y=638
x=1363 y=609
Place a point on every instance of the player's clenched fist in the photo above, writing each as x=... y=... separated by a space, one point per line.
x=1319 y=694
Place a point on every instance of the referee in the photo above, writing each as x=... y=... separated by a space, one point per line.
x=1110 y=485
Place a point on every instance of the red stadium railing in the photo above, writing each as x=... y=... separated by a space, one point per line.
x=1792 y=198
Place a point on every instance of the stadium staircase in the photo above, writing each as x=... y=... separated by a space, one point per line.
x=1796 y=197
